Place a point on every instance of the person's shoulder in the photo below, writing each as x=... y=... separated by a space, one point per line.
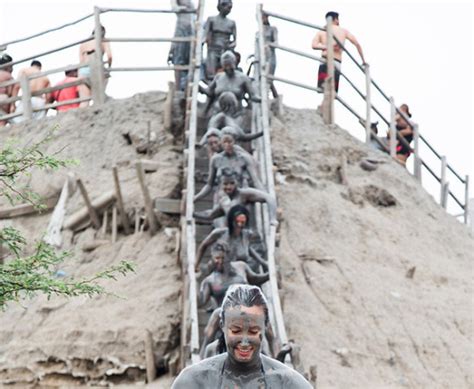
x=278 y=372
x=200 y=373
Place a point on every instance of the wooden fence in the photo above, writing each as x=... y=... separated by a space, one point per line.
x=328 y=116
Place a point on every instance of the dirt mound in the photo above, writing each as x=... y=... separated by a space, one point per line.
x=100 y=340
x=376 y=276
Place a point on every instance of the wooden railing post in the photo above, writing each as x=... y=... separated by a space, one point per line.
x=329 y=92
x=466 y=201
x=97 y=68
x=393 y=130
x=444 y=184
x=368 y=105
x=150 y=212
x=417 y=159
x=26 y=97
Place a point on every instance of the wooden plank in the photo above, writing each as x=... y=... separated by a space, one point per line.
x=417 y=159
x=98 y=77
x=168 y=107
x=466 y=201
x=105 y=219
x=99 y=203
x=26 y=97
x=26 y=209
x=368 y=105
x=149 y=357
x=120 y=203
x=152 y=221
x=114 y=224
x=90 y=209
x=53 y=232
x=442 y=196
x=170 y=206
x=393 y=130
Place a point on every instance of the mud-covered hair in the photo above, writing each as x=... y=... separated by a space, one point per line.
x=241 y=295
x=228 y=99
x=235 y=211
x=229 y=173
x=228 y=130
x=228 y=57
x=219 y=247
x=211 y=131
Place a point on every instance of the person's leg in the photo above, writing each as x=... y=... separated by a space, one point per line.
x=322 y=75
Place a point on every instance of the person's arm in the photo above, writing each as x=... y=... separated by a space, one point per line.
x=255 y=278
x=233 y=44
x=251 y=195
x=210 y=239
x=356 y=43
x=275 y=36
x=210 y=180
x=47 y=96
x=258 y=258
x=204 y=293
x=210 y=331
x=250 y=90
x=210 y=215
x=208 y=30
x=246 y=137
x=317 y=43
x=252 y=172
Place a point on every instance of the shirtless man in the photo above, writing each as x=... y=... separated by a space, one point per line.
x=36 y=84
x=320 y=43
x=86 y=55
x=5 y=91
x=221 y=35
x=244 y=317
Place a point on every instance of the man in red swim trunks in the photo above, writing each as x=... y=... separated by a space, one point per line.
x=320 y=43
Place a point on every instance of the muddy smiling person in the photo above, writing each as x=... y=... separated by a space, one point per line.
x=243 y=320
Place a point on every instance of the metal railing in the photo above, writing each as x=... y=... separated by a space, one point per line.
x=366 y=96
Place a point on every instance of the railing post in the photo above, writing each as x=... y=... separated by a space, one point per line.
x=466 y=201
x=26 y=97
x=329 y=92
x=417 y=159
x=393 y=133
x=442 y=196
x=97 y=68
x=368 y=128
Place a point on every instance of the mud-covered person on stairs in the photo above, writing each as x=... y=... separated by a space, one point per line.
x=244 y=317
x=320 y=43
x=220 y=35
x=179 y=51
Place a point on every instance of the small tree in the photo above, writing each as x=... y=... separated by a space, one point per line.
x=23 y=276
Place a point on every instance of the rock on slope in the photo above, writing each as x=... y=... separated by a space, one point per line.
x=99 y=340
x=347 y=255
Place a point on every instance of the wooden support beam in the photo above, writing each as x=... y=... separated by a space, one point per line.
x=53 y=232
x=149 y=357
x=27 y=109
x=393 y=130
x=90 y=209
x=104 y=223
x=114 y=224
x=368 y=105
x=137 y=221
x=26 y=209
x=99 y=203
x=152 y=221
x=168 y=107
x=443 y=181
x=120 y=203
x=170 y=206
x=417 y=158
x=98 y=76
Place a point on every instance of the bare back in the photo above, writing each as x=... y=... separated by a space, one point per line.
x=340 y=34
x=36 y=84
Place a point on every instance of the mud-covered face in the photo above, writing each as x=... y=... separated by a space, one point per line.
x=229 y=185
x=243 y=329
x=218 y=258
x=228 y=143
x=213 y=142
x=229 y=68
x=225 y=7
x=240 y=221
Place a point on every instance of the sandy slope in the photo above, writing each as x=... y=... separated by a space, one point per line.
x=345 y=252
x=99 y=340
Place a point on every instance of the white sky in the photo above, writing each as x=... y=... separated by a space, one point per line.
x=420 y=53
